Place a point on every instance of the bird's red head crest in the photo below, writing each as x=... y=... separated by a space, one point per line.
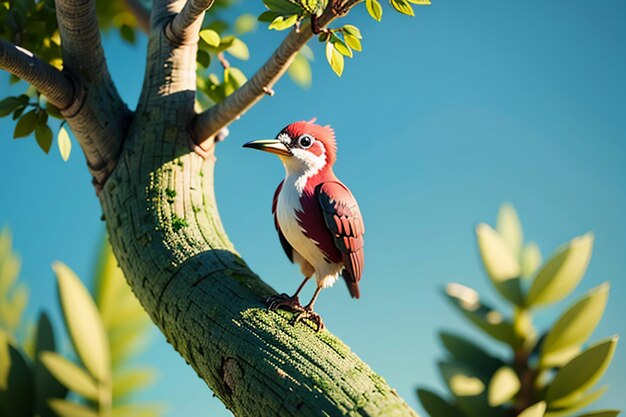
x=324 y=134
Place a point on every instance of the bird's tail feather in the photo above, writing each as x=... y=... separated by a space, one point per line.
x=353 y=287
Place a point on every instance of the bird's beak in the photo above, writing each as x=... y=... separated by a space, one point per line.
x=269 y=145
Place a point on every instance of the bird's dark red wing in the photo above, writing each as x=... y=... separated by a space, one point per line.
x=283 y=241
x=343 y=218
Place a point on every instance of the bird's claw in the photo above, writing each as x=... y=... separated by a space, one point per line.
x=284 y=302
x=311 y=315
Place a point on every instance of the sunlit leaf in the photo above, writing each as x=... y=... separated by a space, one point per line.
x=71 y=375
x=65 y=144
x=574 y=327
x=402 y=6
x=283 y=22
x=374 y=9
x=581 y=373
x=211 y=37
x=69 y=409
x=536 y=410
x=334 y=58
x=300 y=71
x=531 y=259
x=503 y=386
x=129 y=382
x=83 y=323
x=577 y=402
x=562 y=273
x=500 y=263
x=245 y=23
x=509 y=228
x=239 y=49
x=353 y=42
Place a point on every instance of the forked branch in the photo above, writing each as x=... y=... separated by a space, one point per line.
x=51 y=82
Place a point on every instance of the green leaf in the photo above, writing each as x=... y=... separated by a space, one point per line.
x=245 y=23
x=65 y=144
x=203 y=58
x=25 y=125
x=341 y=47
x=467 y=301
x=574 y=327
x=536 y=410
x=237 y=78
x=562 y=273
x=268 y=16
x=83 y=323
x=17 y=399
x=129 y=382
x=374 y=9
x=461 y=380
x=46 y=385
x=402 y=6
x=436 y=406
x=353 y=31
x=282 y=6
x=9 y=105
x=500 y=263
x=467 y=352
x=581 y=373
x=531 y=259
x=510 y=228
x=283 y=22
x=353 y=42
x=503 y=386
x=602 y=413
x=69 y=409
x=334 y=58
x=300 y=71
x=577 y=403
x=5 y=360
x=211 y=37
x=43 y=135
x=239 y=50
x=71 y=375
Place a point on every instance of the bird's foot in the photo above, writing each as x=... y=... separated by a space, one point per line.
x=307 y=313
x=284 y=302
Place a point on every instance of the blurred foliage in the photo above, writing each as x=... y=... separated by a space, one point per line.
x=551 y=373
x=106 y=332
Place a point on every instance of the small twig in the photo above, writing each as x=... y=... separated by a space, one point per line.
x=223 y=60
x=269 y=91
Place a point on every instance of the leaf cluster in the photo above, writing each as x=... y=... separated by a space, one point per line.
x=550 y=373
x=105 y=331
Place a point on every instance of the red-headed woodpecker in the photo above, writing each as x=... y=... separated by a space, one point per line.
x=317 y=218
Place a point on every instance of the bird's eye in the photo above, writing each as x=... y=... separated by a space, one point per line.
x=305 y=141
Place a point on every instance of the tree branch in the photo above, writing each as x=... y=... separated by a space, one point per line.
x=51 y=82
x=141 y=14
x=98 y=117
x=206 y=124
x=185 y=26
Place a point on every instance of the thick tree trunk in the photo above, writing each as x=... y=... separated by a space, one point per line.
x=163 y=222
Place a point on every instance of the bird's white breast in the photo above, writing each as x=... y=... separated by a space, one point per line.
x=286 y=208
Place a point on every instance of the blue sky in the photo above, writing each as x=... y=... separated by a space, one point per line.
x=439 y=120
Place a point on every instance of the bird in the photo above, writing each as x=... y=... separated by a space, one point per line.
x=317 y=218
